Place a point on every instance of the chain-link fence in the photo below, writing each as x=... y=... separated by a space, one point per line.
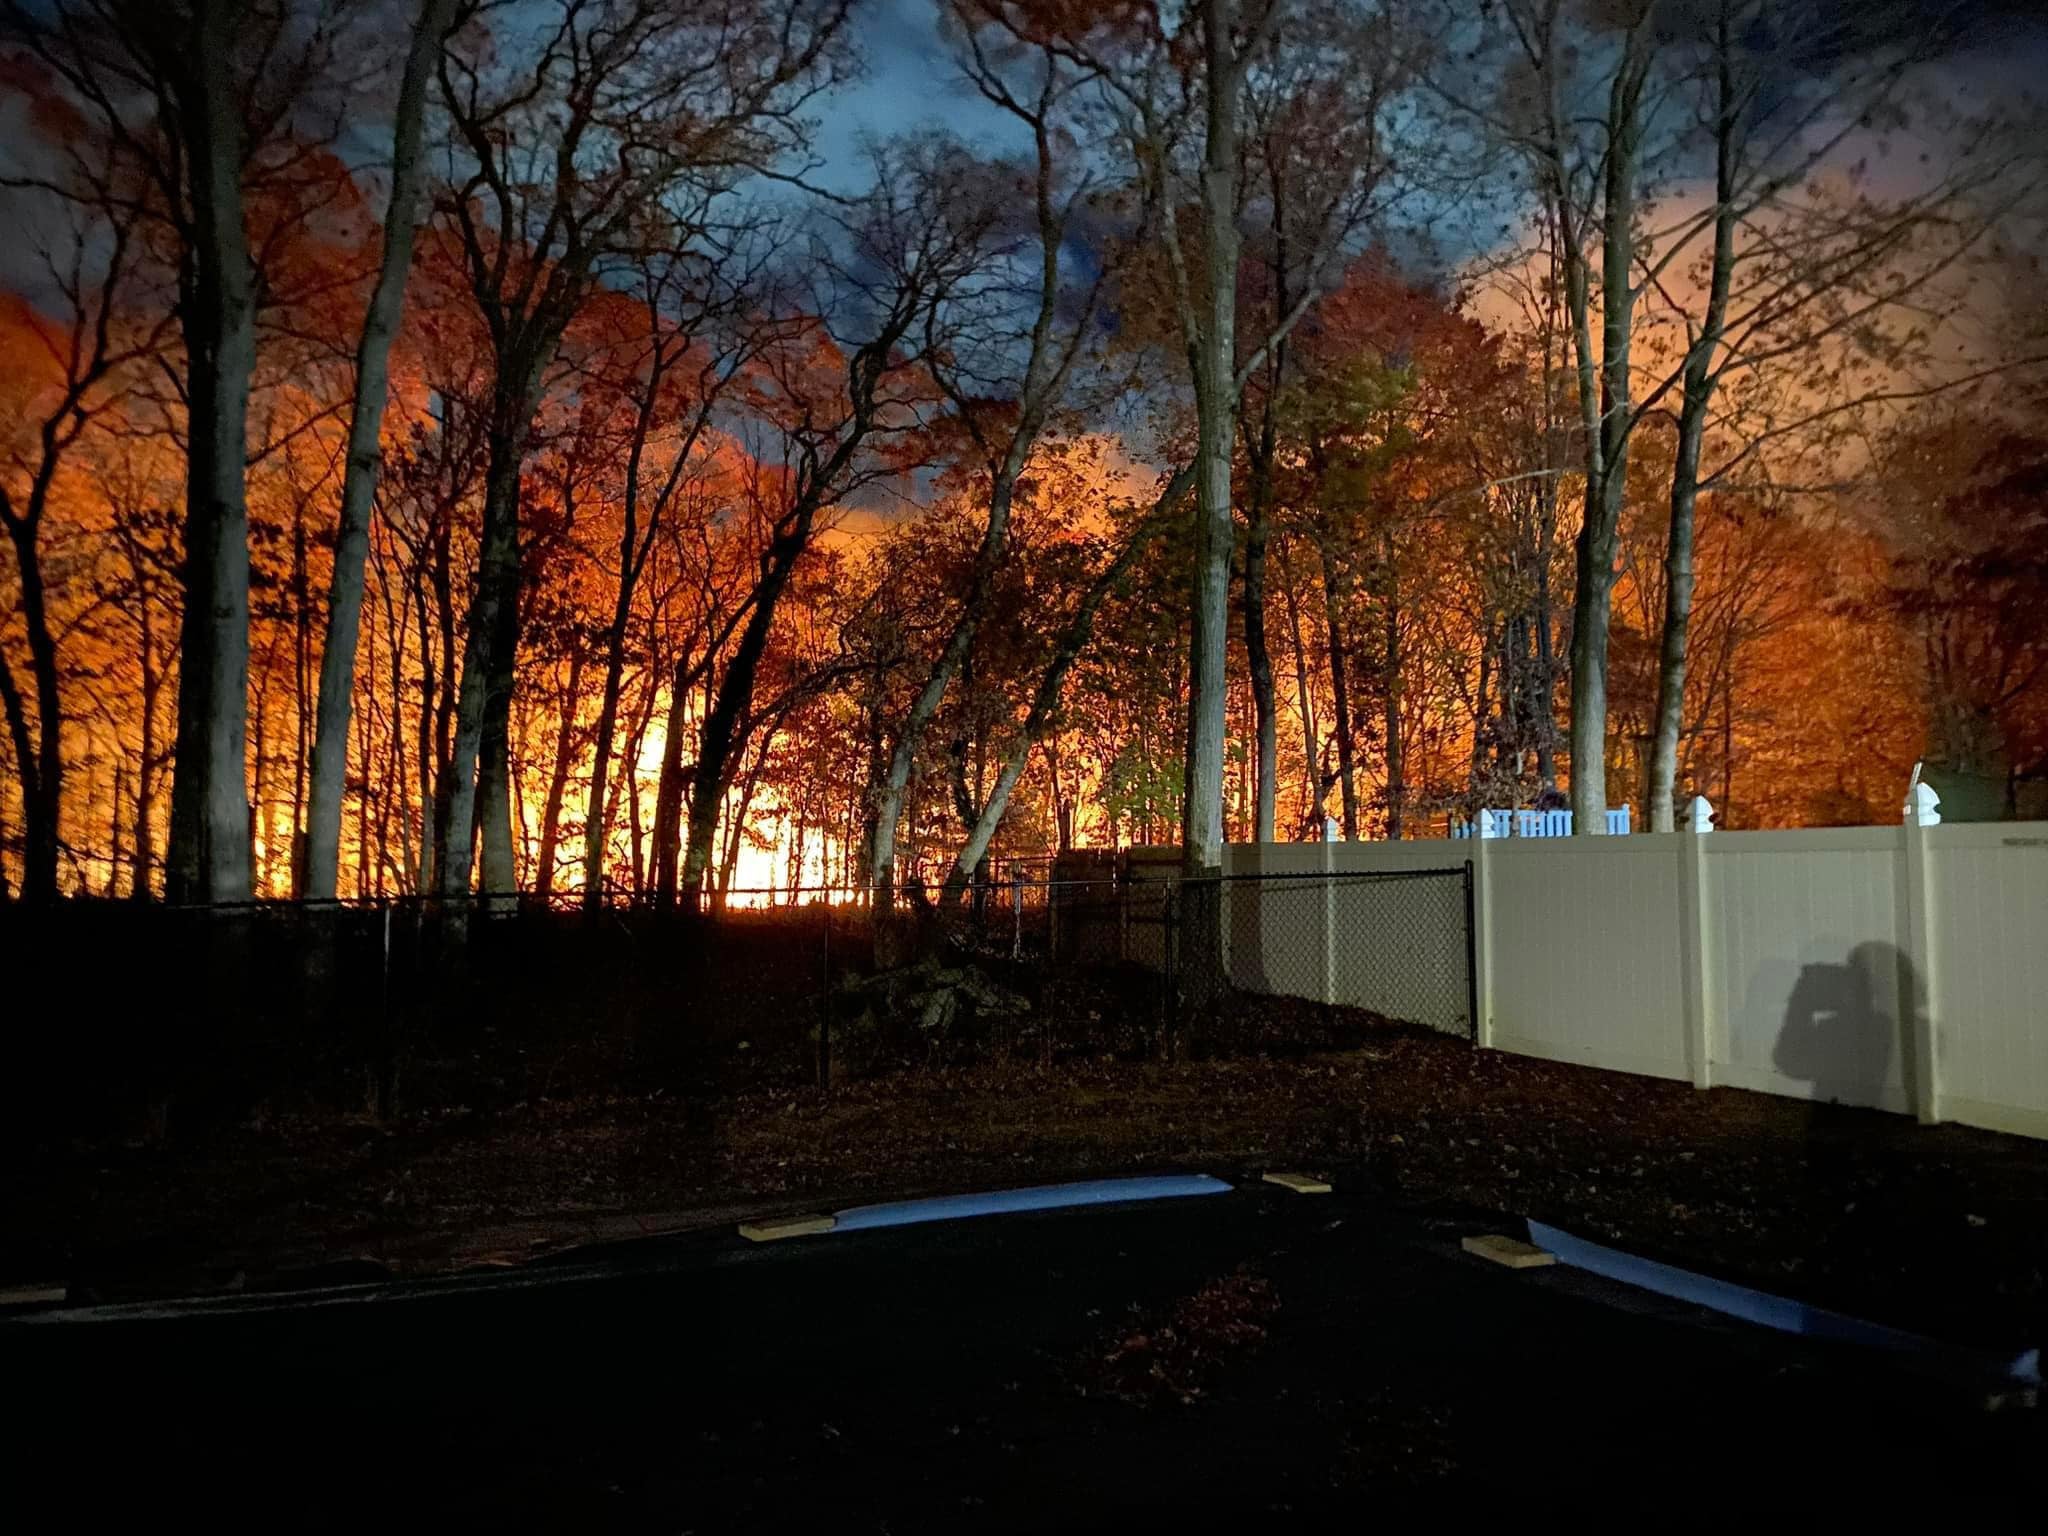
x=1394 y=944
x=1397 y=945
x=203 y=1013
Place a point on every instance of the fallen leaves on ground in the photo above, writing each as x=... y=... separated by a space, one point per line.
x=1861 y=1209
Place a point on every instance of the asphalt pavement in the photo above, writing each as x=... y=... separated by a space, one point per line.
x=1254 y=1360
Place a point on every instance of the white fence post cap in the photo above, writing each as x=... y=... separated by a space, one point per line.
x=1923 y=807
x=1700 y=814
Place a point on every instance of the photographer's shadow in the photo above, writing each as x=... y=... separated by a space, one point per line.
x=1842 y=1026
x=1842 y=1029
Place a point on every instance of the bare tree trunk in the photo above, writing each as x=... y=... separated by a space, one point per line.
x=597 y=817
x=1591 y=613
x=1397 y=787
x=1258 y=527
x=114 y=830
x=1340 y=692
x=396 y=796
x=558 y=782
x=1046 y=369
x=500 y=875
x=1258 y=654
x=144 y=840
x=735 y=693
x=736 y=823
x=302 y=626
x=428 y=763
x=669 y=788
x=1046 y=702
x=1493 y=642
x=365 y=455
x=628 y=785
x=796 y=850
x=259 y=756
x=887 y=800
x=1305 y=706
x=1608 y=430
x=209 y=848
x=41 y=761
x=1685 y=472
x=632 y=556
x=1543 y=685
x=1213 y=346
x=496 y=598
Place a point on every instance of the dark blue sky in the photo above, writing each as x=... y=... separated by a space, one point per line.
x=910 y=81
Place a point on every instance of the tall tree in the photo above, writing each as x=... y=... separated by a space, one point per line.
x=1817 y=286
x=1073 y=638
x=1034 y=90
x=699 y=336
x=1177 y=84
x=921 y=234
x=203 y=98
x=661 y=94
x=365 y=453
x=86 y=348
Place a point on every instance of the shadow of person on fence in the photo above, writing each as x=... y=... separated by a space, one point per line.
x=1843 y=1023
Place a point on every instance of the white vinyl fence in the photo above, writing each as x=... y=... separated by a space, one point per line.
x=1904 y=968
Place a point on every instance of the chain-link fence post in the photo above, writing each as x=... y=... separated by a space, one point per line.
x=1471 y=957
x=380 y=1043
x=1169 y=968
x=825 y=1004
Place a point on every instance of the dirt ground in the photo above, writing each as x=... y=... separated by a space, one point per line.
x=1943 y=1229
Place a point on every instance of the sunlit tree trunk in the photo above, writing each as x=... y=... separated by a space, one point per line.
x=1390 y=607
x=1607 y=420
x=209 y=846
x=558 y=779
x=1212 y=345
x=1258 y=653
x=1693 y=409
x=1340 y=689
x=669 y=788
x=302 y=632
x=1305 y=707
x=365 y=455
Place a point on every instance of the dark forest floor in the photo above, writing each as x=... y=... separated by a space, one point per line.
x=1944 y=1229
